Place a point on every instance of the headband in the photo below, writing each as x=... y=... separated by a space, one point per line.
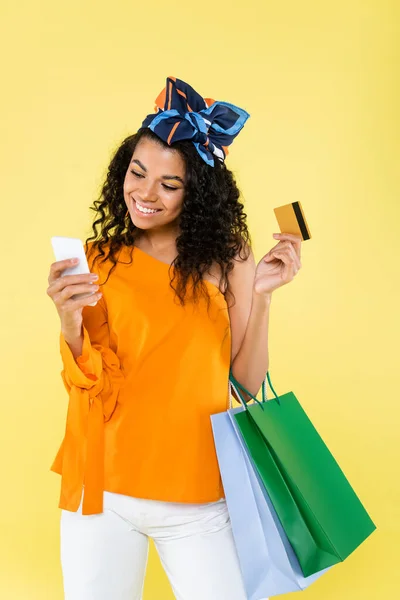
x=182 y=114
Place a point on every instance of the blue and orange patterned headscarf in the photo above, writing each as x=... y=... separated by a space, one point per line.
x=182 y=114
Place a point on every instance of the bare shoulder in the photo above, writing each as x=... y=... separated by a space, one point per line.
x=243 y=269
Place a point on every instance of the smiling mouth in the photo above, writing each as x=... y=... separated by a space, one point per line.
x=144 y=210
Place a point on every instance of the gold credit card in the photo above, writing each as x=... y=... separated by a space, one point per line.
x=291 y=219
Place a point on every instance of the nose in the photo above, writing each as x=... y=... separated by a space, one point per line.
x=148 y=192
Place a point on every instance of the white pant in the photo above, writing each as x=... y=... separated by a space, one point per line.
x=104 y=556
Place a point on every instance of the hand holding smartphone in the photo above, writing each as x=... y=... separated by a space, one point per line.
x=67 y=248
x=71 y=287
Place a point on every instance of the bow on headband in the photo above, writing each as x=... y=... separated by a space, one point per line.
x=182 y=114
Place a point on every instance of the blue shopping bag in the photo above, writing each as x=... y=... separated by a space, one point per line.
x=268 y=563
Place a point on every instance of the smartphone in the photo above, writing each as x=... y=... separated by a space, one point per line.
x=67 y=247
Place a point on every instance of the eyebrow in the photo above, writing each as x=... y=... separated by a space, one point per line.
x=176 y=177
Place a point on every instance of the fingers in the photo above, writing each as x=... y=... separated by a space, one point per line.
x=58 y=267
x=288 y=249
x=293 y=239
x=290 y=260
x=71 y=290
x=71 y=304
x=288 y=236
x=82 y=278
x=62 y=290
x=58 y=283
x=295 y=257
x=71 y=293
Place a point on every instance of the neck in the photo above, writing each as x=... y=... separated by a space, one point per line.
x=157 y=240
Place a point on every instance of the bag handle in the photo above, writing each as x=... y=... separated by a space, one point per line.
x=233 y=383
x=242 y=401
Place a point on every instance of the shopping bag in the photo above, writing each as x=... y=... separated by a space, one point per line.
x=320 y=512
x=268 y=564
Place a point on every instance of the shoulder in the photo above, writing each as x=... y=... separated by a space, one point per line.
x=241 y=277
x=244 y=266
x=243 y=270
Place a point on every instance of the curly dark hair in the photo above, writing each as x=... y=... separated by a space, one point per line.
x=212 y=222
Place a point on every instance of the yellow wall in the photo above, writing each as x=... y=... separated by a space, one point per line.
x=320 y=80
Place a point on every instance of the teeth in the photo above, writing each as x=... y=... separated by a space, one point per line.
x=145 y=210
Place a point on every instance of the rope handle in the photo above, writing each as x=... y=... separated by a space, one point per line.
x=233 y=383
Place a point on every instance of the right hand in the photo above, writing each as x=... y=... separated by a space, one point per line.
x=61 y=289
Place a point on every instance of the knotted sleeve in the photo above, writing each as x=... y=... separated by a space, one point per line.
x=93 y=381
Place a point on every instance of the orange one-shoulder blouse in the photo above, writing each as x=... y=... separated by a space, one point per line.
x=141 y=394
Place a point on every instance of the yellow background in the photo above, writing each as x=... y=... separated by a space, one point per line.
x=320 y=80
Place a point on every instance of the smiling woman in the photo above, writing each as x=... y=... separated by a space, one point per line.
x=138 y=435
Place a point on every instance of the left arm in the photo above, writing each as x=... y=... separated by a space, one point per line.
x=251 y=363
x=253 y=286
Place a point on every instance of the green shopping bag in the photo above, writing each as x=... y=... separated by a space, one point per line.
x=321 y=514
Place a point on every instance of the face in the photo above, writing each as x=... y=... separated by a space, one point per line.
x=154 y=186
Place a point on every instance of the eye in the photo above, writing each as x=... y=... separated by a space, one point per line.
x=167 y=187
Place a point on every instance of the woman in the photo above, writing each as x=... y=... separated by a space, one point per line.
x=182 y=302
